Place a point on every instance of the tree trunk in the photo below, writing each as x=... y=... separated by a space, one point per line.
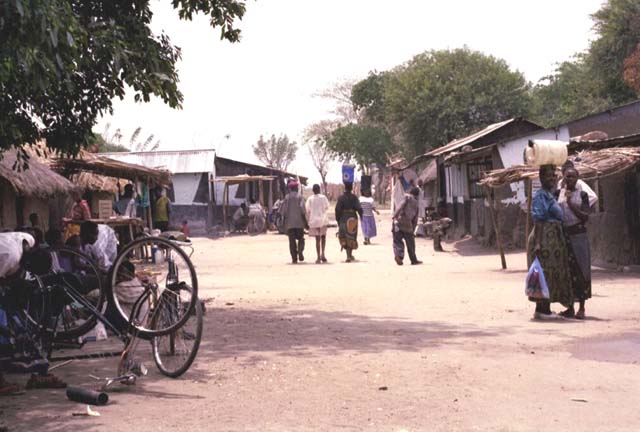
x=324 y=183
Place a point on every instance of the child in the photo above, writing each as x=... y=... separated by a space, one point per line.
x=368 y=220
x=185 y=228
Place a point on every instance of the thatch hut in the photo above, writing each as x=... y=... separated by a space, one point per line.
x=614 y=173
x=95 y=172
x=31 y=190
x=98 y=187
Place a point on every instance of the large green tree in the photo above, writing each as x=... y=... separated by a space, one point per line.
x=63 y=61
x=365 y=145
x=441 y=95
x=606 y=75
x=569 y=93
x=617 y=25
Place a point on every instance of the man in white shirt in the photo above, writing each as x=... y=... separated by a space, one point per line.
x=12 y=246
x=317 y=206
x=240 y=218
x=99 y=242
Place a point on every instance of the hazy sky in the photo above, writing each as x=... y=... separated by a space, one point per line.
x=290 y=49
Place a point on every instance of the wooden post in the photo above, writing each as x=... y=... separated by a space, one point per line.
x=270 y=195
x=496 y=226
x=529 y=190
x=224 y=206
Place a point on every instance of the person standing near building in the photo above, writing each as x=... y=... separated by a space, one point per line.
x=163 y=211
x=347 y=211
x=292 y=210
x=405 y=220
x=317 y=206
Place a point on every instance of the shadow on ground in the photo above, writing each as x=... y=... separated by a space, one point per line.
x=251 y=334
x=248 y=335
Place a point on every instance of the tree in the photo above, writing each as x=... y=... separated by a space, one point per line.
x=275 y=152
x=63 y=61
x=364 y=144
x=632 y=70
x=570 y=92
x=340 y=94
x=442 y=95
x=99 y=145
x=617 y=25
x=367 y=97
x=316 y=137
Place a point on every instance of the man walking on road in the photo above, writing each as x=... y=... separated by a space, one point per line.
x=293 y=211
x=405 y=220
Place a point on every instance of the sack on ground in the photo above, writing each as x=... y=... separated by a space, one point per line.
x=536 y=285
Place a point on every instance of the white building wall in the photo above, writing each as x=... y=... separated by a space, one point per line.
x=512 y=153
x=185 y=187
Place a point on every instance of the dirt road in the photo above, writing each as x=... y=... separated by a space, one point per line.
x=446 y=346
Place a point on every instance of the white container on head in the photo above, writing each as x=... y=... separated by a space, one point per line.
x=546 y=152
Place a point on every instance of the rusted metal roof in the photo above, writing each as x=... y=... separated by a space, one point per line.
x=461 y=142
x=243 y=178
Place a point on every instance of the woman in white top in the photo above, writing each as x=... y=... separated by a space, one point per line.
x=576 y=206
x=368 y=205
x=317 y=206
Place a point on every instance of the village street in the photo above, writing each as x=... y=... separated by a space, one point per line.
x=446 y=346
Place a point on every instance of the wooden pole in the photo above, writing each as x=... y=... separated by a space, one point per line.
x=224 y=206
x=496 y=226
x=529 y=190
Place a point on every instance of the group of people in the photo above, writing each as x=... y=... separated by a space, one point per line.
x=127 y=206
x=244 y=215
x=560 y=242
x=27 y=249
x=299 y=215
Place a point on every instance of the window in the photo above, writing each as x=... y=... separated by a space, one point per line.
x=475 y=172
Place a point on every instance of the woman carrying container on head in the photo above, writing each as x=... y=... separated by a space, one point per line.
x=547 y=243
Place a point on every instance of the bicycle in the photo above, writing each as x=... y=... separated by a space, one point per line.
x=64 y=305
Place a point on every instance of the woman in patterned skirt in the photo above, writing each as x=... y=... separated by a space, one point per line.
x=347 y=211
x=547 y=243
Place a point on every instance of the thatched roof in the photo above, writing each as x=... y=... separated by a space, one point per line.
x=590 y=164
x=36 y=181
x=96 y=164
x=97 y=183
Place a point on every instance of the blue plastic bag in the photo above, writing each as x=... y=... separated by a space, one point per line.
x=536 y=285
x=3 y=323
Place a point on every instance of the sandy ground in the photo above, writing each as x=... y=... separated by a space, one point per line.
x=446 y=346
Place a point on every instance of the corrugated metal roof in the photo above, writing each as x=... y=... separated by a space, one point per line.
x=176 y=161
x=461 y=142
x=468 y=140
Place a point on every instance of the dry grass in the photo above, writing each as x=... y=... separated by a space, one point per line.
x=36 y=181
x=591 y=164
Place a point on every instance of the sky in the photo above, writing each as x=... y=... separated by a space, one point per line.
x=292 y=49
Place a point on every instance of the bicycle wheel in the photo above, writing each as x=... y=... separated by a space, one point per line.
x=81 y=276
x=175 y=352
x=152 y=276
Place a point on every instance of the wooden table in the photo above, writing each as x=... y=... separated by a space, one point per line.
x=134 y=224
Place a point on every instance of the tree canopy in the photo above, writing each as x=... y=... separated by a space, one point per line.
x=63 y=61
x=606 y=75
x=365 y=144
x=428 y=101
x=275 y=152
